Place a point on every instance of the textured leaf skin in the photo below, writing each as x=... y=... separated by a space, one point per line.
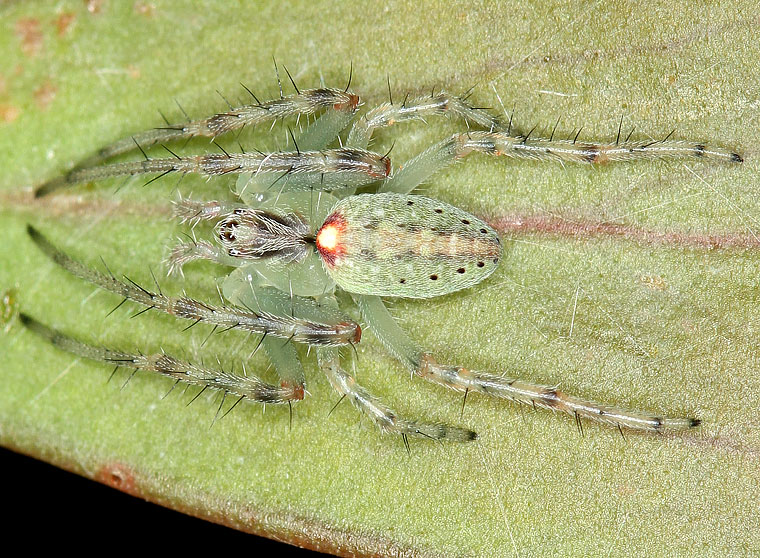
x=635 y=284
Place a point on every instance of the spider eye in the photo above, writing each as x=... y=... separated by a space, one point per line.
x=227 y=230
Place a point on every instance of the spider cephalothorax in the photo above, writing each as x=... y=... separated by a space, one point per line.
x=252 y=234
x=301 y=232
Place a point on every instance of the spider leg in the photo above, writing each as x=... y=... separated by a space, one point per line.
x=284 y=358
x=241 y=288
x=302 y=103
x=307 y=102
x=418 y=108
x=248 y=293
x=323 y=132
x=525 y=147
x=301 y=170
x=315 y=137
x=186 y=252
x=382 y=415
x=421 y=167
x=248 y=387
x=192 y=211
x=462 y=379
x=283 y=326
x=435 y=158
x=274 y=301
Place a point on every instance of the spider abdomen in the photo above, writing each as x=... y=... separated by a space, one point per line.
x=406 y=246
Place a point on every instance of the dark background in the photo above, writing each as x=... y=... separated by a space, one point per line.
x=48 y=506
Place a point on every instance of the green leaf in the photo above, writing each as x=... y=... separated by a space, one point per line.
x=633 y=284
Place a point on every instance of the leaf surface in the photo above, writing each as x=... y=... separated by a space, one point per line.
x=634 y=284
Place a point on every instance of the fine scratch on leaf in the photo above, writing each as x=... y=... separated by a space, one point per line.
x=498 y=499
x=742 y=214
x=55 y=380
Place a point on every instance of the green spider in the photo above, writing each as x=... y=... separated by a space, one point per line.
x=301 y=232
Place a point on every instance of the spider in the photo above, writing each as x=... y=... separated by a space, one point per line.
x=301 y=233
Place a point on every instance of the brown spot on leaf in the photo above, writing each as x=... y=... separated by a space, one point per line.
x=133 y=71
x=118 y=476
x=626 y=489
x=45 y=94
x=63 y=22
x=29 y=32
x=654 y=282
x=9 y=113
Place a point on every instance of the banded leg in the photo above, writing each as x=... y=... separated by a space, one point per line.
x=192 y=211
x=382 y=415
x=302 y=103
x=282 y=326
x=185 y=252
x=244 y=387
x=435 y=158
x=440 y=104
x=241 y=289
x=315 y=137
x=462 y=379
x=301 y=170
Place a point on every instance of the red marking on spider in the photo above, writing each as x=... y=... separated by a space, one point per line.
x=358 y=335
x=352 y=103
x=328 y=240
x=386 y=172
x=296 y=390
